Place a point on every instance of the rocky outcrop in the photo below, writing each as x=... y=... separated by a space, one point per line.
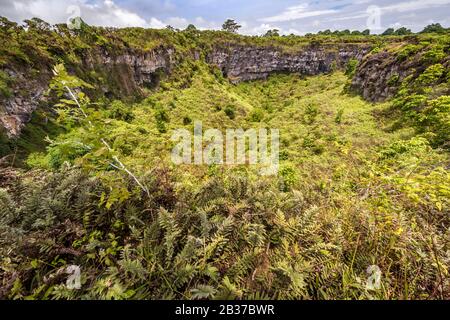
x=374 y=76
x=124 y=74
x=136 y=69
x=243 y=63
x=27 y=93
x=379 y=75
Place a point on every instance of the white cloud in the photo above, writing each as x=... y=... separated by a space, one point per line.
x=99 y=13
x=296 y=13
x=291 y=31
x=203 y=24
x=414 y=5
x=102 y=13
x=109 y=13
x=261 y=29
x=156 y=24
x=405 y=6
x=264 y=27
x=177 y=22
x=182 y=23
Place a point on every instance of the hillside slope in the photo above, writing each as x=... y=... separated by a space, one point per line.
x=349 y=195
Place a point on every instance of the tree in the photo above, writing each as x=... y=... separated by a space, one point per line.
x=170 y=28
x=230 y=26
x=6 y=24
x=351 y=67
x=191 y=27
x=434 y=28
x=272 y=33
x=326 y=32
x=388 y=32
x=402 y=31
x=366 y=32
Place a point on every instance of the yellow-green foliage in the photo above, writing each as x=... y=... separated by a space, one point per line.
x=423 y=95
x=350 y=194
x=5 y=80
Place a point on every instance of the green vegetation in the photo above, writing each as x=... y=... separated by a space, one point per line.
x=351 y=67
x=4 y=85
x=434 y=28
x=349 y=195
x=5 y=144
x=345 y=33
x=272 y=33
x=359 y=185
x=423 y=96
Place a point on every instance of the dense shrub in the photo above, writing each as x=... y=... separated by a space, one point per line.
x=431 y=75
x=119 y=111
x=230 y=111
x=234 y=235
x=408 y=51
x=311 y=113
x=434 y=54
x=5 y=82
x=257 y=115
x=161 y=118
x=351 y=67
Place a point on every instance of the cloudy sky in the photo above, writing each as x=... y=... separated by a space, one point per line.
x=255 y=16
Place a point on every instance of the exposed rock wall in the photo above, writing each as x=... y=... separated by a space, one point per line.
x=372 y=78
x=130 y=71
x=379 y=76
x=124 y=74
x=138 y=69
x=26 y=96
x=241 y=63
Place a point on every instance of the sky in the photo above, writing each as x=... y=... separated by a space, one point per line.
x=255 y=16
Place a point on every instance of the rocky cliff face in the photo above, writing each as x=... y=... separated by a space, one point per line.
x=125 y=74
x=26 y=95
x=241 y=63
x=373 y=77
x=379 y=75
x=136 y=69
